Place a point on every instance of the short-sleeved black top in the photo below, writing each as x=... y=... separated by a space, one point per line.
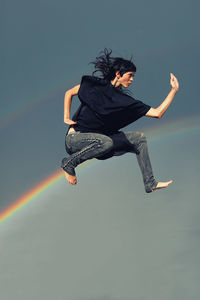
x=104 y=108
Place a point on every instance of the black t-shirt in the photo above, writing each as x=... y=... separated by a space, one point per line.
x=104 y=108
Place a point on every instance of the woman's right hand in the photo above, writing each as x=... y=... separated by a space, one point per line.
x=174 y=82
x=69 y=122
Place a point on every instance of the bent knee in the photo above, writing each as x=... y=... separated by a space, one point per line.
x=108 y=142
x=143 y=136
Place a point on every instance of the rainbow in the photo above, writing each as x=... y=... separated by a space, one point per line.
x=29 y=104
x=30 y=195
x=16 y=112
x=167 y=129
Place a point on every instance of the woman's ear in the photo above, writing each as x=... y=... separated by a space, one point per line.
x=118 y=74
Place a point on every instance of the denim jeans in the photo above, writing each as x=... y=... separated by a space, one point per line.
x=83 y=146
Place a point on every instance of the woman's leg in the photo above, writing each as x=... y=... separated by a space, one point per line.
x=84 y=146
x=138 y=140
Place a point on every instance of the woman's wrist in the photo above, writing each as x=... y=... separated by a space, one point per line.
x=174 y=90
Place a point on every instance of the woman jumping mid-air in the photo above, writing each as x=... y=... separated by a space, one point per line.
x=106 y=108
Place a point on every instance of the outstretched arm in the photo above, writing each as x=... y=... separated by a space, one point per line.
x=67 y=104
x=160 y=110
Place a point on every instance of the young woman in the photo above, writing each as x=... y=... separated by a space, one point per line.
x=105 y=108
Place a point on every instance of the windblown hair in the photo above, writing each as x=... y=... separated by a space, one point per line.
x=108 y=66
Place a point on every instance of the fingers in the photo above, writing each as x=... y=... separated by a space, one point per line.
x=172 y=76
x=70 y=122
x=174 y=81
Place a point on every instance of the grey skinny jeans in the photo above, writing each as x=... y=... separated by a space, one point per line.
x=83 y=146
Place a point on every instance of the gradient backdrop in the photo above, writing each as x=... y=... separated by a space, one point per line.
x=104 y=239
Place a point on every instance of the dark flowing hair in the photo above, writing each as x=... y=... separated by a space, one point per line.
x=108 y=66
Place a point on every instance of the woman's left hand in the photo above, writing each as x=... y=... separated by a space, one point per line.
x=69 y=122
x=174 y=82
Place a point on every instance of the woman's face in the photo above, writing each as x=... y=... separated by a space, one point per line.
x=126 y=79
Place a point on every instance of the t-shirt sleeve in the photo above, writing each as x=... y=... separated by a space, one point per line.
x=132 y=113
x=139 y=108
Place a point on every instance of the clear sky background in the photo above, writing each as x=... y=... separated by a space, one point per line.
x=45 y=49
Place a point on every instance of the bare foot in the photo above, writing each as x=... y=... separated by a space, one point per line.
x=162 y=185
x=70 y=178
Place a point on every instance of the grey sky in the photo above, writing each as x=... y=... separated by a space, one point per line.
x=45 y=49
